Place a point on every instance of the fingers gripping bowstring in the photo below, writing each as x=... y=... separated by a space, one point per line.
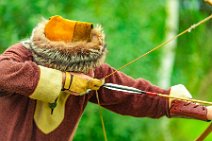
x=143 y=55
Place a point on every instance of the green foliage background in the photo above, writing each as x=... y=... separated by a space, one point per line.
x=132 y=28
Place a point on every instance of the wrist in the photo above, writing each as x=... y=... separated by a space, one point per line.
x=66 y=81
x=63 y=80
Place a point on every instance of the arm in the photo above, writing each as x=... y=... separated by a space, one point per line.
x=20 y=75
x=146 y=105
x=130 y=104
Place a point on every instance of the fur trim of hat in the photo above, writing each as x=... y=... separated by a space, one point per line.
x=79 y=56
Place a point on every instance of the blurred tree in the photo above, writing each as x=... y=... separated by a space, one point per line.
x=168 y=55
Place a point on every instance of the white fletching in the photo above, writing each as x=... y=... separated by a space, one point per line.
x=122 y=88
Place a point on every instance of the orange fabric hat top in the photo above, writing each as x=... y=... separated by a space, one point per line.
x=60 y=29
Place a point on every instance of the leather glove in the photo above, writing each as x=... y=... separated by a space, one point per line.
x=209 y=2
x=79 y=83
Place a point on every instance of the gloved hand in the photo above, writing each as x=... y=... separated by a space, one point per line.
x=179 y=91
x=209 y=2
x=79 y=83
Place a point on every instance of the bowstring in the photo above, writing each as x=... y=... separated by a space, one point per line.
x=143 y=55
x=160 y=45
x=101 y=117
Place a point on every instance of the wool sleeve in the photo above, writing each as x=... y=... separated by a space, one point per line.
x=20 y=75
x=128 y=103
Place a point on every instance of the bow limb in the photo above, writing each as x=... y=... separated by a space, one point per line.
x=208 y=130
x=161 y=45
x=150 y=51
x=205 y=133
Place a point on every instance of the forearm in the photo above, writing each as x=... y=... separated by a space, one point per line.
x=49 y=85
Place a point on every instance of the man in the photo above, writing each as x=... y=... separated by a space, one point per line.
x=47 y=81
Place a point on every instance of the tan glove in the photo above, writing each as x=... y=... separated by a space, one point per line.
x=79 y=83
x=209 y=2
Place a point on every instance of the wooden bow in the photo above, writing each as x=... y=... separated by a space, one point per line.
x=206 y=132
x=209 y=129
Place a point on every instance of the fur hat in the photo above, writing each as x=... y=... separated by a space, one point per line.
x=68 y=45
x=59 y=29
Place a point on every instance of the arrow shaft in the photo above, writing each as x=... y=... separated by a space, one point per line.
x=186 y=99
x=128 y=89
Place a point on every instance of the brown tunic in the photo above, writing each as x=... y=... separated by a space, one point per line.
x=19 y=76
